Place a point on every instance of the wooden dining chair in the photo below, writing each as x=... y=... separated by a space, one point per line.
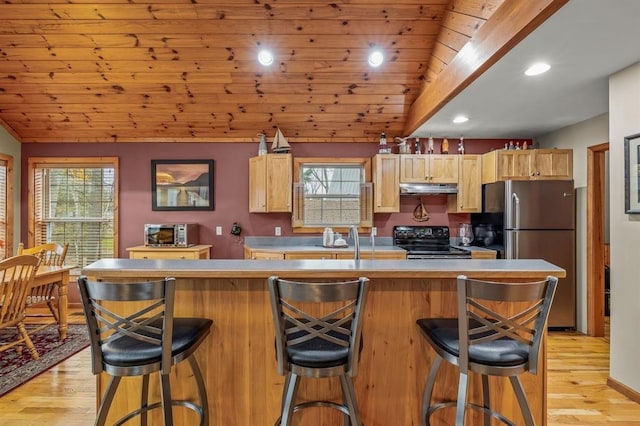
x=50 y=254
x=16 y=278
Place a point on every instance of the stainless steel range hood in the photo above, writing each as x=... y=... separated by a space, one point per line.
x=428 y=188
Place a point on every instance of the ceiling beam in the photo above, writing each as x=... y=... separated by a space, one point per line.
x=510 y=24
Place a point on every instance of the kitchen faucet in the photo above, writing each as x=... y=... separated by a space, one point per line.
x=353 y=233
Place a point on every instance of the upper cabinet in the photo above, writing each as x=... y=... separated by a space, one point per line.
x=430 y=168
x=531 y=164
x=469 y=196
x=386 y=183
x=270 y=183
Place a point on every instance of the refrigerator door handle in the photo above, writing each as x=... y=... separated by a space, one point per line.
x=516 y=210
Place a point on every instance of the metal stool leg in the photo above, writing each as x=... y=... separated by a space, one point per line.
x=144 y=399
x=165 y=394
x=107 y=399
x=462 y=399
x=428 y=390
x=349 y=395
x=289 y=399
x=486 y=400
x=522 y=400
x=202 y=391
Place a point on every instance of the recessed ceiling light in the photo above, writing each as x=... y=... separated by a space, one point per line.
x=265 y=57
x=376 y=58
x=460 y=119
x=537 y=68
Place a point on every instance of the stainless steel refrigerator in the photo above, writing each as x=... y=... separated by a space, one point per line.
x=539 y=223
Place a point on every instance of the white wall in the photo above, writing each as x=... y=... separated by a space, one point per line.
x=578 y=137
x=10 y=146
x=624 y=120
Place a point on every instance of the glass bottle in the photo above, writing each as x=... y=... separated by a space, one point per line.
x=383 y=149
x=262 y=148
x=418 y=150
x=445 y=146
x=461 y=146
x=430 y=145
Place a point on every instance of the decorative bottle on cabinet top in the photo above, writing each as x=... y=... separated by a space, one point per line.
x=384 y=148
x=262 y=148
x=445 y=145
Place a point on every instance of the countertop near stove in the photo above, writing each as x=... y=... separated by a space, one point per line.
x=238 y=360
x=314 y=244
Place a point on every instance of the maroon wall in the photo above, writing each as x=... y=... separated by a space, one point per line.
x=231 y=194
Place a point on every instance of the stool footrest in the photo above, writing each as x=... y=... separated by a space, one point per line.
x=176 y=402
x=444 y=404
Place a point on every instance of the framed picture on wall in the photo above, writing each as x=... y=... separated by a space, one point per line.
x=182 y=184
x=632 y=174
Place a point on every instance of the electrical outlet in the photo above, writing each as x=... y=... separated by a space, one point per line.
x=374 y=231
x=278 y=231
x=218 y=230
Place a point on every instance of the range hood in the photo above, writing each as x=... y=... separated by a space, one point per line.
x=428 y=188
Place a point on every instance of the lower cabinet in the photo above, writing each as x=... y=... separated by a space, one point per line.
x=194 y=252
x=327 y=254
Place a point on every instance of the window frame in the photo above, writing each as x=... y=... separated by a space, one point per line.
x=298 y=163
x=9 y=213
x=80 y=162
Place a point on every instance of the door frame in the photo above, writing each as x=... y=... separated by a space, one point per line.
x=595 y=238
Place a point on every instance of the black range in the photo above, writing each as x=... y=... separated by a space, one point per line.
x=427 y=242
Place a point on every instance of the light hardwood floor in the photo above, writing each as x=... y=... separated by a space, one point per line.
x=578 y=393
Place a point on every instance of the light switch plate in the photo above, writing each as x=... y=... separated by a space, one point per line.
x=278 y=231
x=218 y=230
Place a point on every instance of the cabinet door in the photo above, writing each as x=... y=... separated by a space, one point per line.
x=258 y=184
x=164 y=254
x=266 y=255
x=443 y=168
x=553 y=164
x=386 y=182
x=414 y=168
x=308 y=255
x=270 y=180
x=279 y=182
x=515 y=165
x=378 y=254
x=469 y=196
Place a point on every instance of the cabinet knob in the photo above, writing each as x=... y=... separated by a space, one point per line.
x=144 y=257
x=182 y=257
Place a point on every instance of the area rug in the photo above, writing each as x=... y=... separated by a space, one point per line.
x=18 y=368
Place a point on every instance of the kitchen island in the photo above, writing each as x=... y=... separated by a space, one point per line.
x=238 y=358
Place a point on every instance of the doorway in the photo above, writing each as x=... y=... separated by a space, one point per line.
x=596 y=195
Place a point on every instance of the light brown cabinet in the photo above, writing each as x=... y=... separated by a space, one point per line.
x=270 y=183
x=430 y=168
x=325 y=254
x=194 y=252
x=386 y=183
x=378 y=254
x=469 y=196
x=531 y=164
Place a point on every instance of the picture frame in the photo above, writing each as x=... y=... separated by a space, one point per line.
x=182 y=185
x=632 y=174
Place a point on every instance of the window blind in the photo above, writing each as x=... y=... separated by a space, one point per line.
x=76 y=204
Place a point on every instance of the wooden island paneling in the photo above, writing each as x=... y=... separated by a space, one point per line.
x=238 y=357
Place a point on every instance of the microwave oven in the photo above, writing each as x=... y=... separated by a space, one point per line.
x=170 y=234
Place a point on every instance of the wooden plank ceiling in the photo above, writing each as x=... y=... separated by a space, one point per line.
x=186 y=70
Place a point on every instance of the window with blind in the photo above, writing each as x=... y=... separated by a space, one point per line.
x=74 y=201
x=331 y=193
x=6 y=206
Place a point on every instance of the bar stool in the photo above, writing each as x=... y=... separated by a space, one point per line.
x=325 y=344
x=141 y=341
x=489 y=343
